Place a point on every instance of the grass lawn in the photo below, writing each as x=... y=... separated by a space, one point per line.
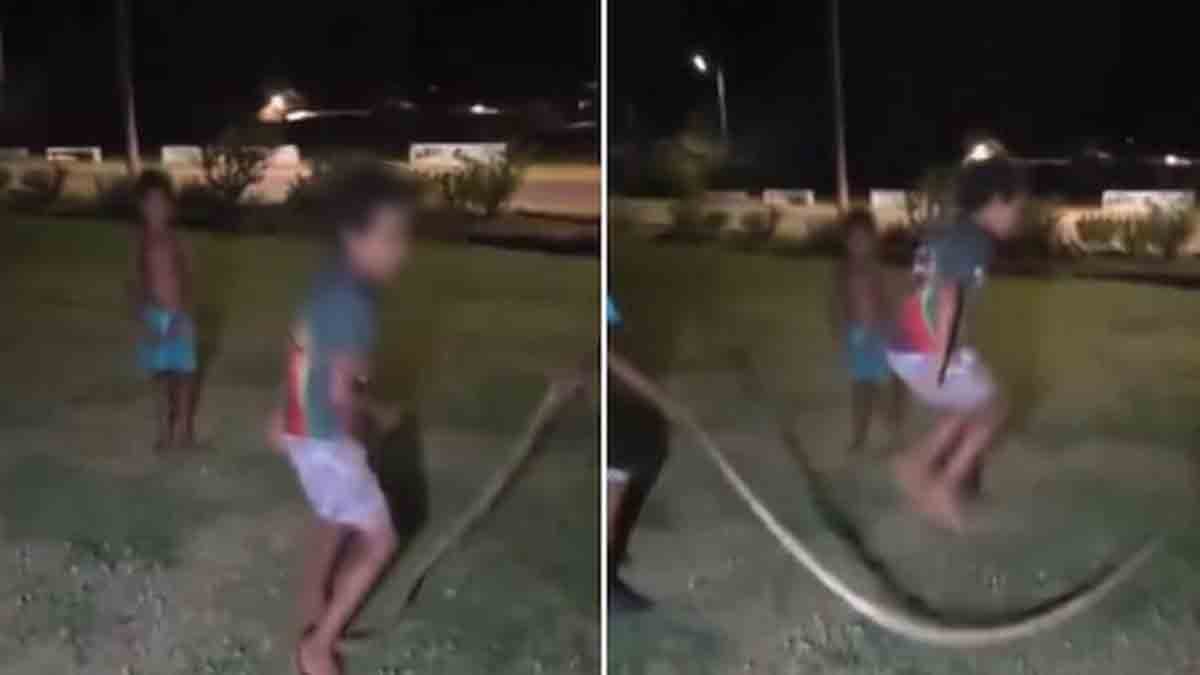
x=1106 y=381
x=112 y=558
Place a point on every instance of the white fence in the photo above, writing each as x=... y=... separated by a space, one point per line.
x=789 y=197
x=1145 y=200
x=88 y=153
x=453 y=156
x=183 y=154
x=889 y=200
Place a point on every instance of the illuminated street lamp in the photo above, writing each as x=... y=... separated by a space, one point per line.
x=701 y=65
x=982 y=151
x=276 y=107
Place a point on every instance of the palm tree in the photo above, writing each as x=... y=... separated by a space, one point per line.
x=125 y=71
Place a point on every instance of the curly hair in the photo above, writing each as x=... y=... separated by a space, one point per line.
x=352 y=192
x=979 y=182
x=153 y=180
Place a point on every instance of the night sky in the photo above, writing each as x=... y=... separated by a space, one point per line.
x=199 y=63
x=1045 y=77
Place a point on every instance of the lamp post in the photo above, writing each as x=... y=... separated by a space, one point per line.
x=133 y=158
x=701 y=65
x=839 y=113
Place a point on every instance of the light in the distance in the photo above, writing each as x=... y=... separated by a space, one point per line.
x=981 y=152
x=1176 y=160
x=700 y=63
x=481 y=109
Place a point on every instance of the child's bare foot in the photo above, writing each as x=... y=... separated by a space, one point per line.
x=315 y=659
x=911 y=477
x=941 y=503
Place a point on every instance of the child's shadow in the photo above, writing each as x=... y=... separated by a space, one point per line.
x=398 y=459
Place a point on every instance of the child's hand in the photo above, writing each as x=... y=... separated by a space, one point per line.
x=275 y=432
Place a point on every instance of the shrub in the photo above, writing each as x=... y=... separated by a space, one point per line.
x=1037 y=231
x=760 y=226
x=1158 y=234
x=40 y=188
x=690 y=222
x=483 y=187
x=5 y=178
x=114 y=197
x=933 y=196
x=236 y=161
x=202 y=206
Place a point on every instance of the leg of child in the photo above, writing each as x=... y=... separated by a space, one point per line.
x=915 y=468
x=185 y=403
x=862 y=401
x=369 y=552
x=615 y=490
x=323 y=543
x=965 y=466
x=898 y=407
x=162 y=411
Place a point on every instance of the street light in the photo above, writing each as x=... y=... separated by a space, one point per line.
x=702 y=67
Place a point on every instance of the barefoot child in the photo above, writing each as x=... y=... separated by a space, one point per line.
x=320 y=422
x=861 y=314
x=931 y=352
x=167 y=348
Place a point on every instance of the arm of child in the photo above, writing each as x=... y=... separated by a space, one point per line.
x=837 y=307
x=949 y=297
x=349 y=371
x=275 y=430
x=631 y=376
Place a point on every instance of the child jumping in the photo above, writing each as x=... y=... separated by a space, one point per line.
x=930 y=349
x=861 y=315
x=320 y=423
x=167 y=348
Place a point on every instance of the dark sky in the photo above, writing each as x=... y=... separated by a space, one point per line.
x=205 y=57
x=1043 y=76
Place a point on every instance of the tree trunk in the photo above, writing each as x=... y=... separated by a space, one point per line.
x=133 y=157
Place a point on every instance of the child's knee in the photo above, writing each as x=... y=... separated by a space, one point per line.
x=995 y=411
x=381 y=541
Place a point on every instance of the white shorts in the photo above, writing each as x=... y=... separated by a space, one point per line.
x=613 y=475
x=338 y=482
x=968 y=386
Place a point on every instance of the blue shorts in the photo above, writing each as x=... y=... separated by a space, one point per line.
x=169 y=343
x=866 y=354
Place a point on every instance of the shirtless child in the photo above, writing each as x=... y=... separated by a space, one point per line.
x=161 y=296
x=861 y=315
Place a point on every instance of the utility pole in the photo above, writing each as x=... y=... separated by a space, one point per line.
x=839 y=114
x=133 y=158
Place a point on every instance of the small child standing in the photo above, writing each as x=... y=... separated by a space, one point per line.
x=931 y=350
x=167 y=348
x=319 y=425
x=861 y=315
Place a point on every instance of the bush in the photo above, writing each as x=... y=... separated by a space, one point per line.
x=236 y=161
x=202 y=206
x=690 y=222
x=759 y=226
x=6 y=175
x=1158 y=234
x=1037 y=231
x=40 y=188
x=114 y=197
x=933 y=196
x=483 y=187
x=683 y=166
